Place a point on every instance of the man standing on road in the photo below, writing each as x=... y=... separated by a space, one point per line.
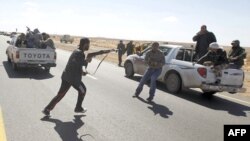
x=155 y=59
x=130 y=48
x=121 y=51
x=203 y=38
x=236 y=55
x=72 y=76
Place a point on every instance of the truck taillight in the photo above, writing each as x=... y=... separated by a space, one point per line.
x=202 y=72
x=17 y=54
x=55 y=56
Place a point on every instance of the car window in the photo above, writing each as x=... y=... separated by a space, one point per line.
x=180 y=55
x=165 y=50
x=185 y=55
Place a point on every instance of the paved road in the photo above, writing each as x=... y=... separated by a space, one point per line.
x=113 y=115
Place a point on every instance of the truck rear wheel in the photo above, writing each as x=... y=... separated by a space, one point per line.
x=173 y=83
x=47 y=69
x=8 y=58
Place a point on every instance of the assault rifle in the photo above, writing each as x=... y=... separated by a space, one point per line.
x=93 y=54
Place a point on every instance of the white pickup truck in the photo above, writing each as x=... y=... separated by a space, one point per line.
x=30 y=57
x=181 y=72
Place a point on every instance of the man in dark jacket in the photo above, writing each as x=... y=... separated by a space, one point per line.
x=121 y=51
x=236 y=55
x=130 y=48
x=203 y=38
x=217 y=56
x=72 y=76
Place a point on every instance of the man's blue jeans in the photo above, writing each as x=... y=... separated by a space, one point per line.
x=151 y=74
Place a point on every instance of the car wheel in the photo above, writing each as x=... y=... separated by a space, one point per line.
x=129 y=69
x=173 y=83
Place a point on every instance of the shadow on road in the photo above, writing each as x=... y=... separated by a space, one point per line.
x=214 y=102
x=162 y=110
x=68 y=130
x=31 y=73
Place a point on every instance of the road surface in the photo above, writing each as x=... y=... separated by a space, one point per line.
x=113 y=115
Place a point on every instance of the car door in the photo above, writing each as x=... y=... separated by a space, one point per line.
x=187 y=71
x=140 y=62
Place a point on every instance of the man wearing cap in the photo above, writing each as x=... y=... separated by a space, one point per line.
x=217 y=56
x=236 y=55
x=121 y=51
x=203 y=38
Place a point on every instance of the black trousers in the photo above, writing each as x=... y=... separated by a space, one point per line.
x=63 y=90
x=120 y=59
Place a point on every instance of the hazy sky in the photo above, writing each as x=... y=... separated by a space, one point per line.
x=166 y=20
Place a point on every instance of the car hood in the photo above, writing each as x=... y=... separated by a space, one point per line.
x=132 y=56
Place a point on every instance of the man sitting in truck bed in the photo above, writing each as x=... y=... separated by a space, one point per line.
x=47 y=42
x=217 y=56
x=21 y=41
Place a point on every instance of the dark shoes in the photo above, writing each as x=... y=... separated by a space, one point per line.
x=80 y=110
x=150 y=99
x=136 y=95
x=46 y=112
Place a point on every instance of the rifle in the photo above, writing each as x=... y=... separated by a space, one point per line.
x=91 y=55
x=28 y=29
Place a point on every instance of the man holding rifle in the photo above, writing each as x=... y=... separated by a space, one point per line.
x=72 y=76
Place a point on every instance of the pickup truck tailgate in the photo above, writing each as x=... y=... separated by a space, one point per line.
x=36 y=55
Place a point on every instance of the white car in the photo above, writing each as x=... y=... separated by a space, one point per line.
x=30 y=57
x=181 y=72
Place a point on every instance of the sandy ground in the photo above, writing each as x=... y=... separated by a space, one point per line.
x=103 y=43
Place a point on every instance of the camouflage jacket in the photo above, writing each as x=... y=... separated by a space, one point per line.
x=238 y=53
x=155 y=59
x=217 y=58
